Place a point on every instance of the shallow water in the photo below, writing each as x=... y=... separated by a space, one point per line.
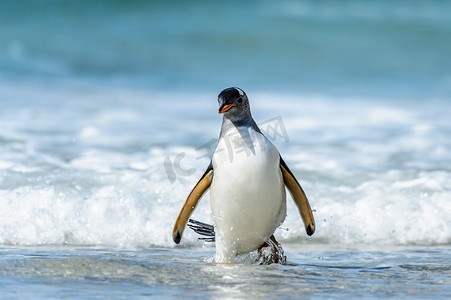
x=315 y=272
x=108 y=116
x=89 y=174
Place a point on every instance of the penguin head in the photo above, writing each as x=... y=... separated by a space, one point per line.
x=233 y=103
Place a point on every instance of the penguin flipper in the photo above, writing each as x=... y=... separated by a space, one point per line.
x=299 y=197
x=190 y=204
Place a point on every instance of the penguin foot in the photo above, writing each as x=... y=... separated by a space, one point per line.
x=271 y=252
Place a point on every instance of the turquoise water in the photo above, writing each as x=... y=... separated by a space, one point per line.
x=378 y=47
x=98 y=100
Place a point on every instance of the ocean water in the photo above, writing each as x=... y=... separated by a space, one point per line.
x=170 y=273
x=108 y=118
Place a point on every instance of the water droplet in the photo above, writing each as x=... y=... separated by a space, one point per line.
x=325 y=220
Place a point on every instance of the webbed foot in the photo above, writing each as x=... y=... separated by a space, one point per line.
x=271 y=252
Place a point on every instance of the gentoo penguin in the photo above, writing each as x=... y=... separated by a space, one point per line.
x=247 y=179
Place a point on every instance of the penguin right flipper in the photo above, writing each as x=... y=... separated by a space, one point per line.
x=299 y=197
x=190 y=204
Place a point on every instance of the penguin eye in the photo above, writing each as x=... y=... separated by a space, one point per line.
x=240 y=100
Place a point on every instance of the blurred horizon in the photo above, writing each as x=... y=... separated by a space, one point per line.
x=383 y=48
x=98 y=95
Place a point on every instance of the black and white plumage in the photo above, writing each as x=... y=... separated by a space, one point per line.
x=247 y=179
x=207 y=231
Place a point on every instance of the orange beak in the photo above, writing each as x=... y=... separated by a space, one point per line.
x=226 y=108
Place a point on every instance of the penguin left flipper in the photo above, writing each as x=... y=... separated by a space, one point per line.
x=299 y=197
x=191 y=202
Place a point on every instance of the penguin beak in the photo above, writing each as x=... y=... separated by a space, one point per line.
x=225 y=107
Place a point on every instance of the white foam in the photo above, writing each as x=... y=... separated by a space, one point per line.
x=374 y=173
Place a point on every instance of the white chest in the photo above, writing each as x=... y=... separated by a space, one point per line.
x=247 y=193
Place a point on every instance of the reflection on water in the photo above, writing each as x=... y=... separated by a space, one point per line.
x=187 y=273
